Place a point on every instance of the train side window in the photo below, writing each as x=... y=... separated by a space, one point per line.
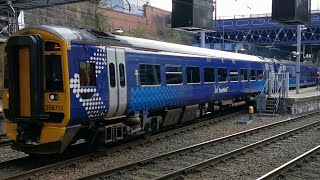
x=290 y=74
x=193 y=75
x=234 y=75
x=149 y=74
x=122 y=75
x=260 y=74
x=252 y=75
x=112 y=75
x=174 y=74
x=209 y=76
x=222 y=75
x=244 y=74
x=293 y=74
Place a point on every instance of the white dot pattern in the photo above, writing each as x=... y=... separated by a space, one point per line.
x=94 y=107
x=100 y=59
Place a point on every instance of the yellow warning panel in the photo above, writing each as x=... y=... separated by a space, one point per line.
x=24 y=75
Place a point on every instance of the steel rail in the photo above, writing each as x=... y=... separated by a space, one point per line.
x=210 y=161
x=14 y=161
x=88 y=157
x=5 y=143
x=289 y=165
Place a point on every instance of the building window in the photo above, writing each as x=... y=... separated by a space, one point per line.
x=174 y=74
x=135 y=7
x=234 y=75
x=244 y=74
x=260 y=74
x=149 y=74
x=193 y=75
x=252 y=74
x=209 y=75
x=222 y=75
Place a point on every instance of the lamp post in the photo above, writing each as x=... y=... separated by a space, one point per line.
x=298 y=59
x=203 y=39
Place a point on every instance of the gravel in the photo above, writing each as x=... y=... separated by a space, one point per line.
x=6 y=153
x=254 y=164
x=168 y=144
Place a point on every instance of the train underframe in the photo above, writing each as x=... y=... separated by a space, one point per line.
x=111 y=131
x=148 y=123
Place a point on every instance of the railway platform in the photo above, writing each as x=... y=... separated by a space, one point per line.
x=307 y=101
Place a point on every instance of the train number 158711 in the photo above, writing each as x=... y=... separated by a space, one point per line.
x=54 y=108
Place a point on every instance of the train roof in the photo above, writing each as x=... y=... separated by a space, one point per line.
x=83 y=35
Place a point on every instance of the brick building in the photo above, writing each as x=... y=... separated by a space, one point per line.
x=91 y=15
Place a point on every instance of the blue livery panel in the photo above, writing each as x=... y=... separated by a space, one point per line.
x=88 y=102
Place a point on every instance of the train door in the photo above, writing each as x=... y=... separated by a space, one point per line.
x=117 y=82
x=25 y=68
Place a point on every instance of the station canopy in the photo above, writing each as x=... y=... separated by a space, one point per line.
x=31 y=4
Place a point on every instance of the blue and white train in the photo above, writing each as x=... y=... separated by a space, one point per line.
x=63 y=84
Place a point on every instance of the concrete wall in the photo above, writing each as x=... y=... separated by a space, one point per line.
x=296 y=106
x=89 y=15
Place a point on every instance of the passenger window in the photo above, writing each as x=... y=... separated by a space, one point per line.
x=87 y=74
x=222 y=75
x=290 y=74
x=252 y=75
x=260 y=75
x=293 y=74
x=193 y=75
x=112 y=75
x=209 y=75
x=244 y=74
x=149 y=74
x=174 y=74
x=122 y=75
x=234 y=75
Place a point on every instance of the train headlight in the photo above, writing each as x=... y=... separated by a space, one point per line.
x=54 y=97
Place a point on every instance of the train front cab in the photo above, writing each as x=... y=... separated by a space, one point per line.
x=35 y=98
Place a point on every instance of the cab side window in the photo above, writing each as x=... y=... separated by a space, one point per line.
x=87 y=74
x=87 y=78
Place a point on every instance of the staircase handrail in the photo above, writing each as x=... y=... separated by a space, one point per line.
x=264 y=87
x=278 y=97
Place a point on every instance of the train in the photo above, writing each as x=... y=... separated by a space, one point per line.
x=63 y=86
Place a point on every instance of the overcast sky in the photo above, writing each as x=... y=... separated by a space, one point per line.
x=235 y=7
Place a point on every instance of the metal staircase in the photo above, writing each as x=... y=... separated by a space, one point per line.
x=275 y=89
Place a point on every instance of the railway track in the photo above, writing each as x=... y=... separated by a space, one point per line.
x=4 y=141
x=306 y=166
x=89 y=157
x=191 y=159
